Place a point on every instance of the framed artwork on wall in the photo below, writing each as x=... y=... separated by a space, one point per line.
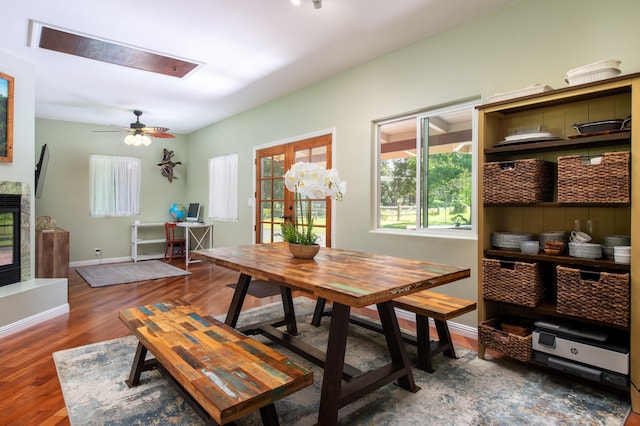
x=6 y=118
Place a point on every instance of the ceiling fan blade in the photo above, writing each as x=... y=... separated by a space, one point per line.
x=162 y=135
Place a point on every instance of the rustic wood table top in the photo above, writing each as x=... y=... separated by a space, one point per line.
x=226 y=372
x=352 y=278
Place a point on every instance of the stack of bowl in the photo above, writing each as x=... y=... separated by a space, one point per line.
x=622 y=254
x=560 y=236
x=529 y=247
x=610 y=241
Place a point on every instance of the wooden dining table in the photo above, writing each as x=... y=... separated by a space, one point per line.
x=349 y=279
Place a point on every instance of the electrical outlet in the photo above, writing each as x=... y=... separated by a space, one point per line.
x=98 y=252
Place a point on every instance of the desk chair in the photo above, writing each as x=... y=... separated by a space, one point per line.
x=173 y=247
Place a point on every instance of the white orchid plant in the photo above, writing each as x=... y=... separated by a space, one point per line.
x=310 y=181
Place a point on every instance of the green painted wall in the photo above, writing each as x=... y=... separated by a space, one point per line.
x=529 y=41
x=65 y=195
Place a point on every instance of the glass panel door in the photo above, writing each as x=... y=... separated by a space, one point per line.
x=274 y=204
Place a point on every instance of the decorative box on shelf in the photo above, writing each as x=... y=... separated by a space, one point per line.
x=511 y=344
x=514 y=282
x=519 y=181
x=599 y=296
x=602 y=179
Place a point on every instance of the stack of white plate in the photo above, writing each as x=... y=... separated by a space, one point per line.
x=509 y=240
x=586 y=250
x=610 y=241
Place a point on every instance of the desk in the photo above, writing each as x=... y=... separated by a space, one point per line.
x=189 y=233
x=351 y=280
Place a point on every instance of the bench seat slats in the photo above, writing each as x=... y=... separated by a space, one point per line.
x=227 y=373
x=435 y=305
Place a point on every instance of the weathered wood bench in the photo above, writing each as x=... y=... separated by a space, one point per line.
x=425 y=305
x=222 y=373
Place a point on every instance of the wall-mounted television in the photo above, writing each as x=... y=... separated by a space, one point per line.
x=41 y=169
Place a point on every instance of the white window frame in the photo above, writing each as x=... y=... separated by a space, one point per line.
x=470 y=233
x=114 y=186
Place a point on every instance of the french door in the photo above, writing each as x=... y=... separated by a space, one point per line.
x=274 y=203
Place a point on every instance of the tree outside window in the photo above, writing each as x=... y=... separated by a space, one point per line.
x=437 y=147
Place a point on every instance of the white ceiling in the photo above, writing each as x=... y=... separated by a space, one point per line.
x=253 y=51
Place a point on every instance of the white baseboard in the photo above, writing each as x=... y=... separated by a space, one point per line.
x=33 y=320
x=99 y=261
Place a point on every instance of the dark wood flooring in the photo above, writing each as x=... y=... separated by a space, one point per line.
x=30 y=393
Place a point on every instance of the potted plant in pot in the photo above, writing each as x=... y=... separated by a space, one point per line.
x=308 y=180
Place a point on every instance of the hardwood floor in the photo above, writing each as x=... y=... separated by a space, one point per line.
x=30 y=393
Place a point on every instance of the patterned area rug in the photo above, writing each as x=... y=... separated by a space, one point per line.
x=465 y=391
x=124 y=273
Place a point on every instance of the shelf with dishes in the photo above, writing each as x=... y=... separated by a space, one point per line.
x=602 y=140
x=602 y=263
x=542 y=172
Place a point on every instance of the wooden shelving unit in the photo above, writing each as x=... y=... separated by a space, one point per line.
x=558 y=111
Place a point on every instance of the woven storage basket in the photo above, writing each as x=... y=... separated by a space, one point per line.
x=600 y=296
x=520 y=181
x=579 y=181
x=519 y=283
x=518 y=347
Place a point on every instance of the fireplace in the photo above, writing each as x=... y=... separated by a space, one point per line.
x=9 y=239
x=15 y=241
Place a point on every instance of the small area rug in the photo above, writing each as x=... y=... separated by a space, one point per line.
x=124 y=273
x=464 y=391
x=260 y=288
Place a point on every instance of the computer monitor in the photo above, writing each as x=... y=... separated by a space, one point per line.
x=194 y=212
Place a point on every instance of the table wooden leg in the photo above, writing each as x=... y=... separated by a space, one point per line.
x=334 y=366
x=289 y=311
x=395 y=344
x=318 y=312
x=238 y=299
x=137 y=367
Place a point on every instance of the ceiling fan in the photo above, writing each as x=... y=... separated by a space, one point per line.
x=139 y=133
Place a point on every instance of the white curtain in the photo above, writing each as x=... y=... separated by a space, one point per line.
x=223 y=187
x=115 y=186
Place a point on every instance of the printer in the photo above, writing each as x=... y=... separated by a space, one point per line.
x=593 y=353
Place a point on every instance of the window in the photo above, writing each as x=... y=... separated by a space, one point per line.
x=425 y=163
x=223 y=187
x=115 y=186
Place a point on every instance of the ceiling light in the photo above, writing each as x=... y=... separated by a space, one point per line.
x=137 y=139
x=317 y=4
x=296 y=2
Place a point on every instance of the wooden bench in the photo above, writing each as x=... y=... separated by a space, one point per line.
x=425 y=304
x=222 y=373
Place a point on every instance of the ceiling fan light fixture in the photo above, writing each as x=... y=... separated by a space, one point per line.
x=137 y=139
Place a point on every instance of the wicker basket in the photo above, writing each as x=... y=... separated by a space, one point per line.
x=579 y=181
x=518 y=347
x=600 y=296
x=519 y=283
x=520 y=181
